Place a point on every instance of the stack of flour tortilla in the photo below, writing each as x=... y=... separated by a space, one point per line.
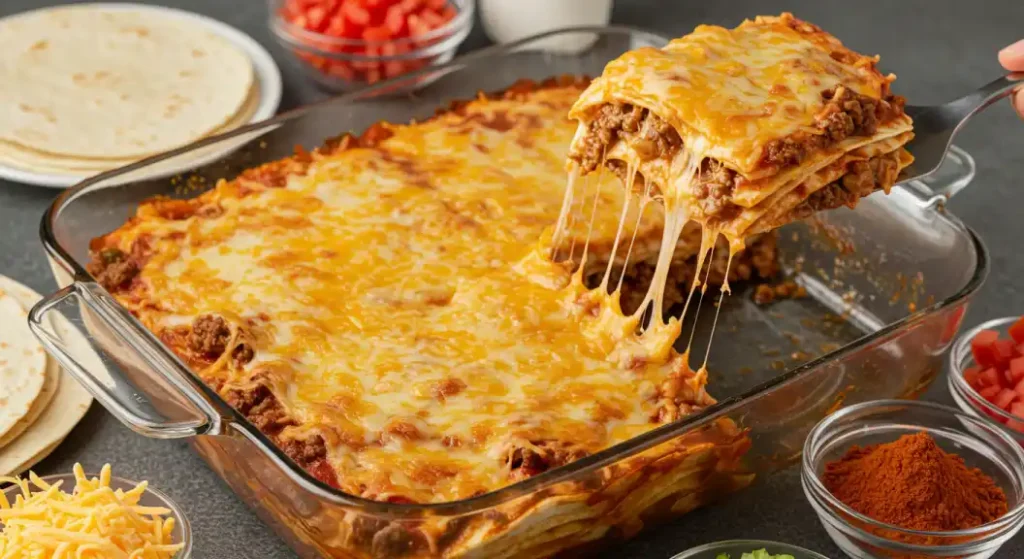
x=39 y=402
x=90 y=88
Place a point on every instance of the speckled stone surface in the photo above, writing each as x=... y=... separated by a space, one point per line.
x=939 y=48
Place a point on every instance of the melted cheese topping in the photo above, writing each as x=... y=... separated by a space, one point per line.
x=729 y=92
x=400 y=306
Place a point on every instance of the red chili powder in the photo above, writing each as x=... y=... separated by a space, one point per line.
x=914 y=484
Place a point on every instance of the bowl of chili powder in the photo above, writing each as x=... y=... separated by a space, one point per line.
x=907 y=479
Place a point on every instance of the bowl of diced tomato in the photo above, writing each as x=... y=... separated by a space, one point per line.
x=987 y=372
x=349 y=44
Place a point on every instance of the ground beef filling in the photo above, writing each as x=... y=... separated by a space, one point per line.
x=862 y=178
x=646 y=132
x=845 y=113
x=262 y=409
x=210 y=335
x=526 y=461
x=113 y=269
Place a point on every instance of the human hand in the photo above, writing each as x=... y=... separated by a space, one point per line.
x=1012 y=58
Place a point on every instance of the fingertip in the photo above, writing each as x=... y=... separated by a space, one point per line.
x=1012 y=57
x=1018 y=103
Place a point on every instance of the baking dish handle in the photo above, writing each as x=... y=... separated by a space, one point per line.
x=125 y=370
x=956 y=172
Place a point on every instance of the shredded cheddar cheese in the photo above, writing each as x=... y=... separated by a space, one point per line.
x=94 y=521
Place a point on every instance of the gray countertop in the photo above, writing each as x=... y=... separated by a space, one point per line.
x=939 y=48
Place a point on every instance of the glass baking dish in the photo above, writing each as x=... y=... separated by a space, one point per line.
x=886 y=287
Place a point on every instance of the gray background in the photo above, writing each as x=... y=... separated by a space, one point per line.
x=939 y=48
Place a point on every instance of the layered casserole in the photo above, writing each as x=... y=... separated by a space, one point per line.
x=745 y=129
x=426 y=313
x=381 y=308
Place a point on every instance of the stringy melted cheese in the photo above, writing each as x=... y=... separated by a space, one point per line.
x=730 y=93
x=401 y=307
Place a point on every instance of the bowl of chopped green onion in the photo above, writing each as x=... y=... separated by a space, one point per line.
x=748 y=549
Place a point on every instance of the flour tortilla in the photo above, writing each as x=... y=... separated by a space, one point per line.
x=14 y=471
x=22 y=364
x=51 y=384
x=69 y=403
x=94 y=82
x=25 y=298
x=28 y=159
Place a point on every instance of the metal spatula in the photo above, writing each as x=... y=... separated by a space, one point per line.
x=935 y=126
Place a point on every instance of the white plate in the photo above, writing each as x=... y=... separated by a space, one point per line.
x=268 y=78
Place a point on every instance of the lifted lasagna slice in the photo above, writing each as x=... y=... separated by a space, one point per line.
x=747 y=129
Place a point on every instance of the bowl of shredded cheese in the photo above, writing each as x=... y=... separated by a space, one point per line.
x=83 y=516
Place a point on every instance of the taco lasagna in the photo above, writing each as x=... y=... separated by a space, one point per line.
x=381 y=309
x=743 y=130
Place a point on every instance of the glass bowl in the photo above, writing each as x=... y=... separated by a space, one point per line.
x=981 y=444
x=342 y=64
x=736 y=548
x=965 y=396
x=182 y=532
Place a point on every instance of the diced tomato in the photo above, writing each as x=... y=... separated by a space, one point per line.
x=1015 y=425
x=394 y=20
x=1015 y=370
x=1016 y=409
x=393 y=68
x=436 y=5
x=432 y=19
x=342 y=70
x=989 y=392
x=393 y=48
x=1019 y=388
x=417 y=26
x=355 y=13
x=378 y=10
x=373 y=75
x=449 y=12
x=989 y=377
x=410 y=6
x=971 y=376
x=1017 y=331
x=981 y=347
x=342 y=28
x=318 y=18
x=376 y=34
x=1003 y=351
x=1005 y=398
